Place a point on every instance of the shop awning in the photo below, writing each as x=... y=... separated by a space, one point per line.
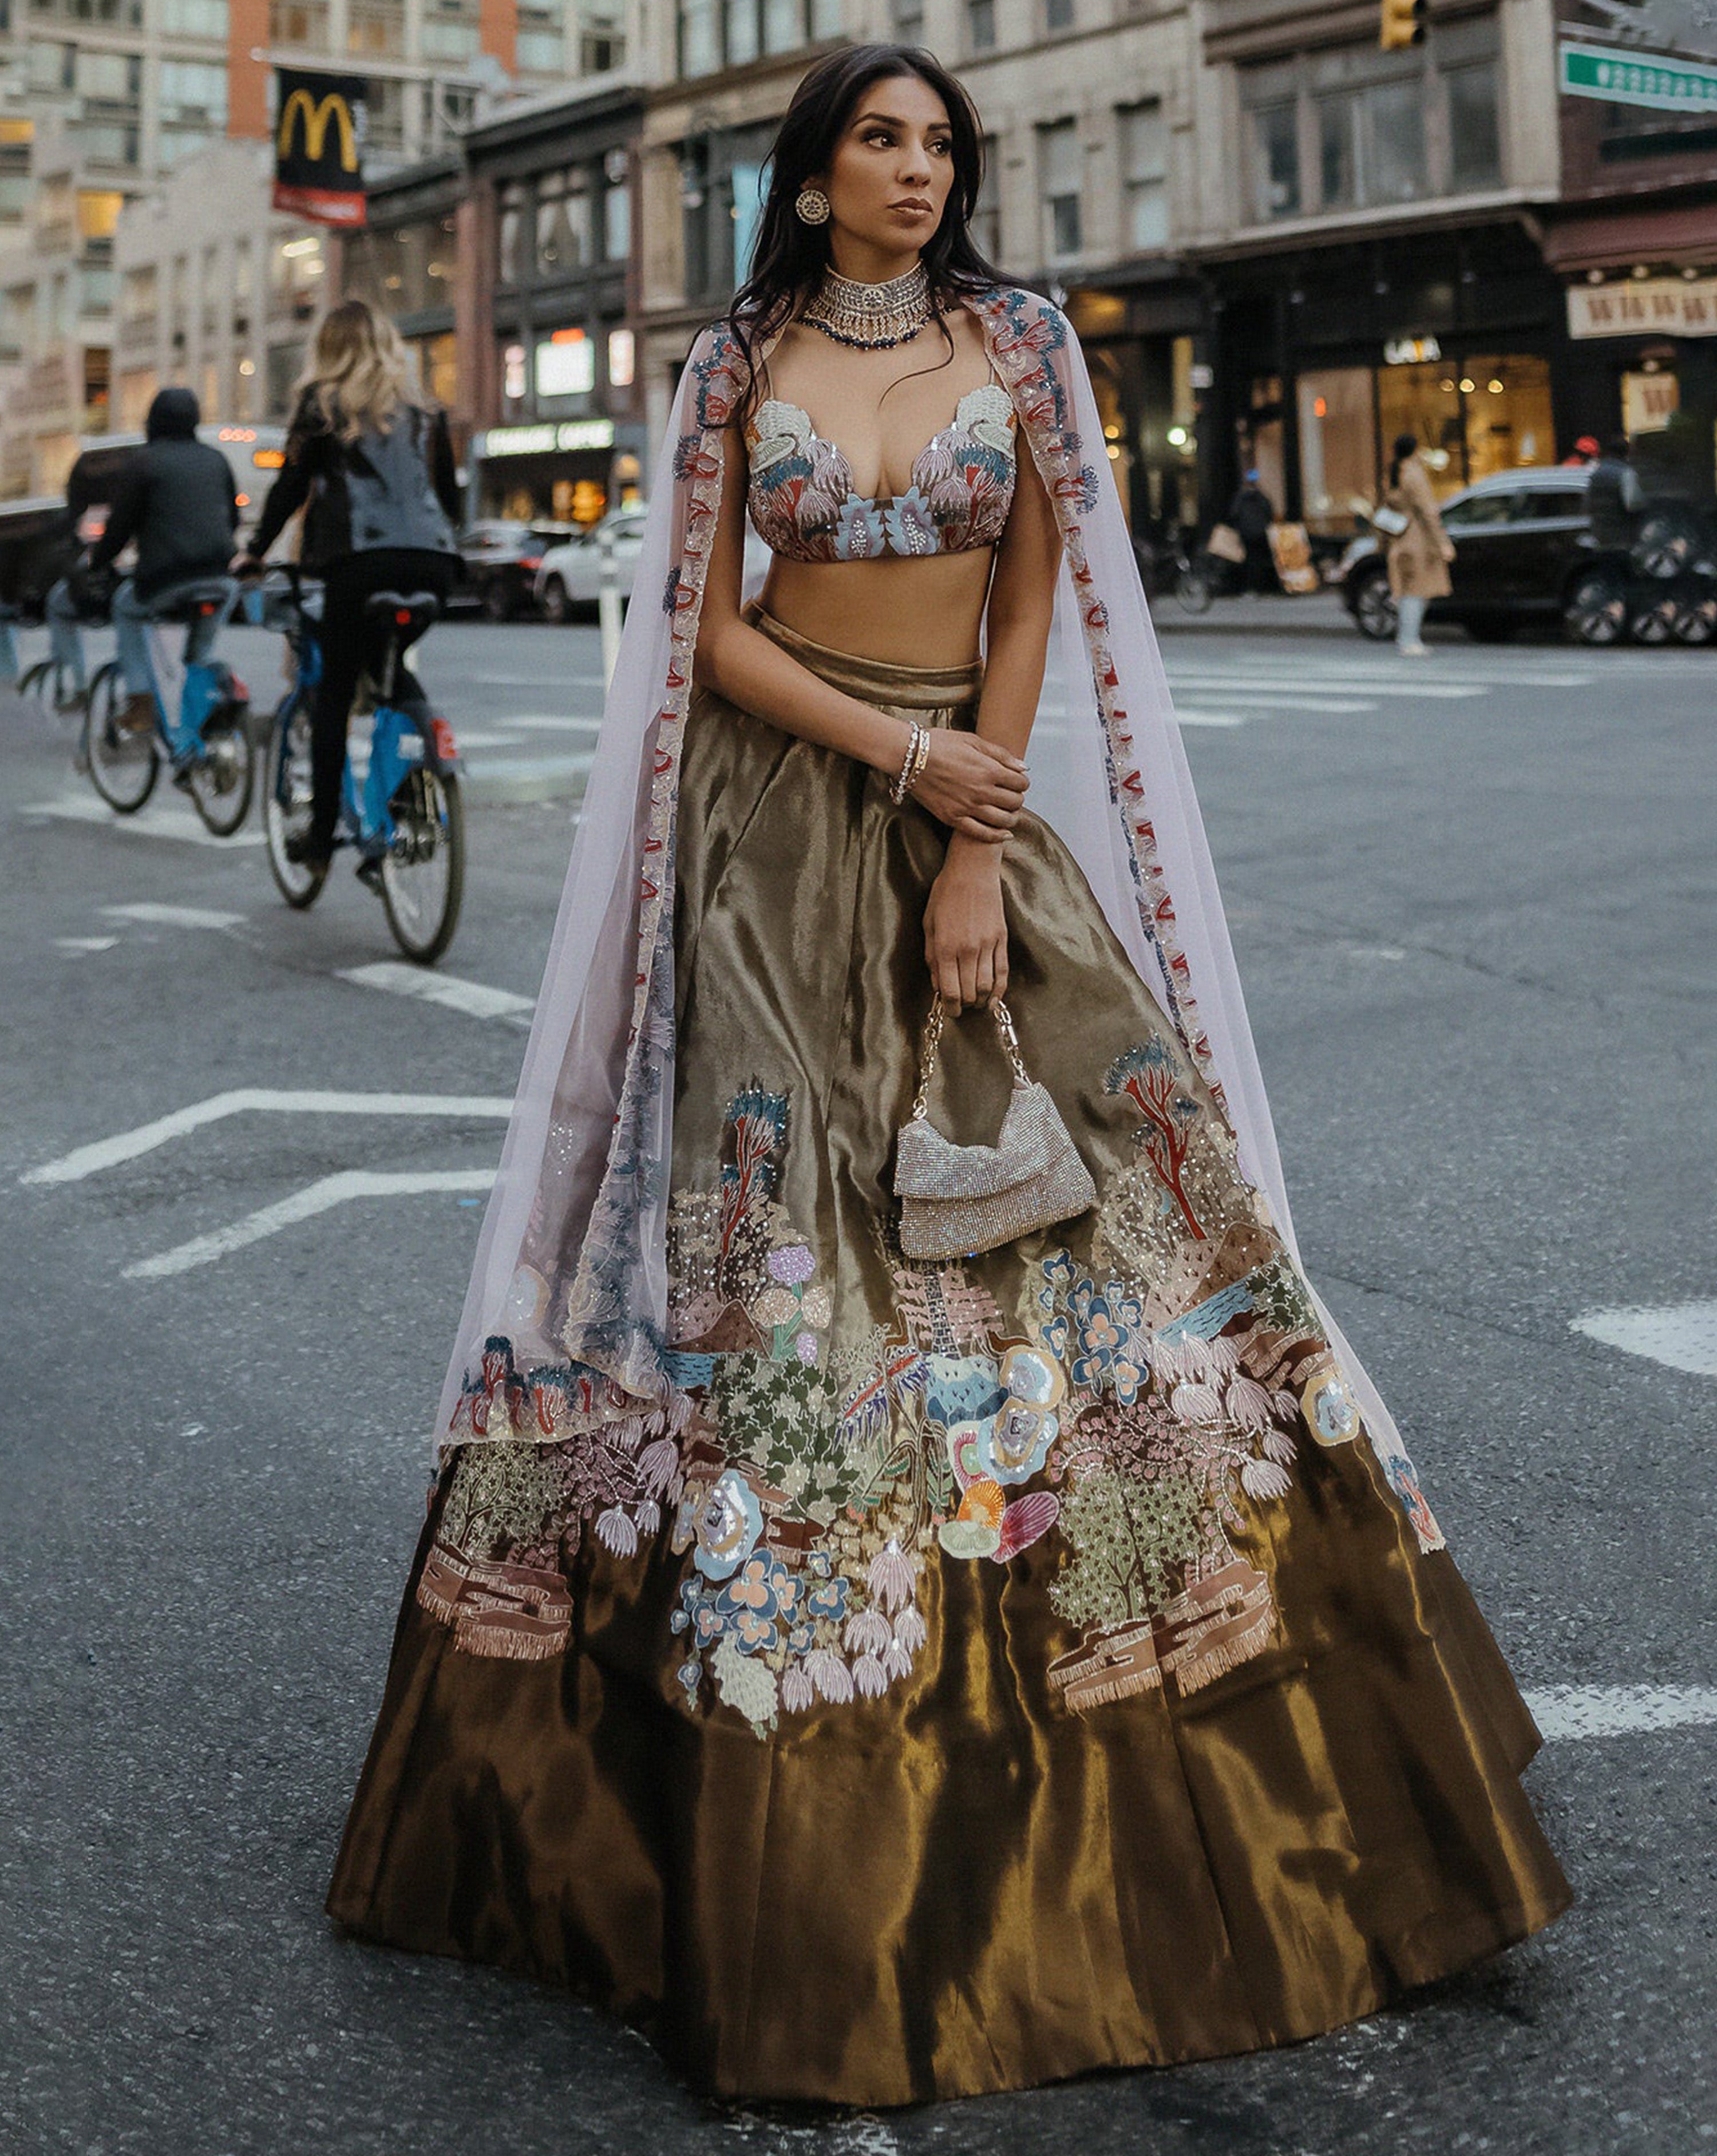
x=1685 y=236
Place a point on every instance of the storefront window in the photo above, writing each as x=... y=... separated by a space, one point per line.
x=1424 y=401
x=1508 y=405
x=1338 y=445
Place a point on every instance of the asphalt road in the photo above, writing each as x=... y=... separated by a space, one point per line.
x=1473 y=901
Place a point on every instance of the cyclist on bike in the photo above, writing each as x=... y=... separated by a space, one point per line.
x=176 y=499
x=375 y=468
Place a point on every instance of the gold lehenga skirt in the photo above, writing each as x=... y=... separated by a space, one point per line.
x=1036 y=1666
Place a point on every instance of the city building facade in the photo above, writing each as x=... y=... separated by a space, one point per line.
x=216 y=291
x=103 y=101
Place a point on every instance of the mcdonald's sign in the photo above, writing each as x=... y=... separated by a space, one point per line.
x=318 y=144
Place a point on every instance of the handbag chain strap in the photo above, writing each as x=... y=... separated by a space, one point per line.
x=932 y=1039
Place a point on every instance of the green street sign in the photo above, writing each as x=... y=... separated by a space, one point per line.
x=1628 y=78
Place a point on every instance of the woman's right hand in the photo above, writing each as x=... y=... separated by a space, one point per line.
x=972 y=785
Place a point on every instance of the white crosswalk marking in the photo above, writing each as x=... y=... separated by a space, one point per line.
x=154 y=916
x=256 y=1099
x=302 y=1205
x=473 y=997
x=164 y=819
x=1683 y=1336
x=1562 y=1710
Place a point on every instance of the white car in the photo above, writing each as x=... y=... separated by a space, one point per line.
x=570 y=576
x=572 y=573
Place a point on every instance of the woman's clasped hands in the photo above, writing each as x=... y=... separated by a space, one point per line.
x=977 y=788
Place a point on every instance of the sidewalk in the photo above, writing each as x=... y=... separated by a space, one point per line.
x=1277 y=613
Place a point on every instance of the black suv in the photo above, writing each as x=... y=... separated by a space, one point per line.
x=1524 y=552
x=501 y=561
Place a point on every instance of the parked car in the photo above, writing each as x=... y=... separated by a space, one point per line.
x=570 y=575
x=1524 y=552
x=501 y=561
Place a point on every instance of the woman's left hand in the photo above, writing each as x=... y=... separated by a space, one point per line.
x=966 y=928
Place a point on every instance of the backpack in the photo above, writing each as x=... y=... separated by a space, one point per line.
x=392 y=498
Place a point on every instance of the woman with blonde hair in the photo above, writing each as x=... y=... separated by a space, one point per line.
x=375 y=468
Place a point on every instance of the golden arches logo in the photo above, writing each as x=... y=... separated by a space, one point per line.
x=317 y=114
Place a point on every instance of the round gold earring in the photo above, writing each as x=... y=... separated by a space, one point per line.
x=812 y=206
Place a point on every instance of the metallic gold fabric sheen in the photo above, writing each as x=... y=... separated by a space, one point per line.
x=960 y=1886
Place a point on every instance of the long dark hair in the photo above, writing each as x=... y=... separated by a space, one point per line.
x=1405 y=446
x=790 y=255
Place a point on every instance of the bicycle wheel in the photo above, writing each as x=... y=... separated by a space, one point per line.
x=286 y=802
x=1194 y=587
x=123 y=766
x=223 y=777
x=423 y=872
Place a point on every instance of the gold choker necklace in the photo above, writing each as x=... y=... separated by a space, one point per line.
x=871 y=316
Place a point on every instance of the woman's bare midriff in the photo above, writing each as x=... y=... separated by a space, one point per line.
x=906 y=612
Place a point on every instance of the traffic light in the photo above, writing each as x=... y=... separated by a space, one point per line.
x=1402 y=23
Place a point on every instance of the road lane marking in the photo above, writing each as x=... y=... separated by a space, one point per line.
x=1287 y=699
x=1311 y=693
x=87 y=942
x=547 y=724
x=1186 y=716
x=322 y=1197
x=1681 y=1336
x=129 y=1144
x=473 y=997
x=1620 y=1709
x=538 y=681
x=162 y=820
x=148 y=911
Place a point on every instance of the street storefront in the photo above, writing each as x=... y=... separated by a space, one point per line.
x=1141 y=342
x=1635 y=238
x=552 y=324
x=1324 y=355
x=571 y=471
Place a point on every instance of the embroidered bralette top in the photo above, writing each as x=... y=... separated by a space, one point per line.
x=803 y=504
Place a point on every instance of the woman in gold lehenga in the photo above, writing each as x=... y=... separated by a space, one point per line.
x=886 y=1677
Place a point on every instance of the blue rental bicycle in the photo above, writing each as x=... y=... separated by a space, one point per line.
x=201 y=724
x=400 y=805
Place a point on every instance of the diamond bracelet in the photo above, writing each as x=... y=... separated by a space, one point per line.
x=912 y=764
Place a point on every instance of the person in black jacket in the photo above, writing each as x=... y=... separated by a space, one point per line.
x=1251 y=513
x=373 y=472
x=1614 y=497
x=176 y=499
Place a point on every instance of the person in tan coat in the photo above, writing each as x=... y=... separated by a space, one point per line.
x=1419 y=555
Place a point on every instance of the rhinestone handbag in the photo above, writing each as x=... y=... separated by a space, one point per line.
x=955 y=1200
